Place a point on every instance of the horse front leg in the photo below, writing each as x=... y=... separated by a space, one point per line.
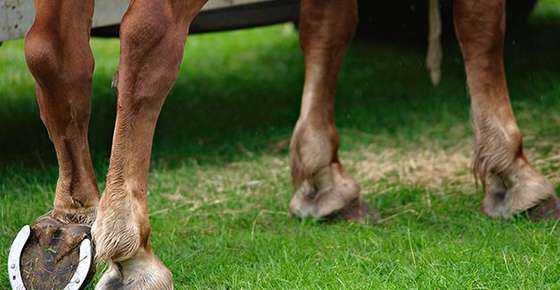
x=153 y=35
x=59 y=58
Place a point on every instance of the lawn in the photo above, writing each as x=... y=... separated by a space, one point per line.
x=219 y=183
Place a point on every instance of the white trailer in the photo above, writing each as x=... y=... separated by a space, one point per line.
x=16 y=16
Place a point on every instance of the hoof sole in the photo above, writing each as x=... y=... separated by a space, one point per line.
x=57 y=255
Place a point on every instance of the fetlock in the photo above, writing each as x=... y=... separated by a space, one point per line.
x=119 y=230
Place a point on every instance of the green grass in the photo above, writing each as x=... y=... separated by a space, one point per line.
x=219 y=183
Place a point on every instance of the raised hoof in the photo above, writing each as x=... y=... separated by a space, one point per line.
x=52 y=254
x=548 y=209
x=357 y=212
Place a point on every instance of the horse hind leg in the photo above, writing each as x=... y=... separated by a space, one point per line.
x=322 y=188
x=512 y=185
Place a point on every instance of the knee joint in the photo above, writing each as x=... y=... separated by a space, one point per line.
x=41 y=54
x=50 y=63
x=145 y=29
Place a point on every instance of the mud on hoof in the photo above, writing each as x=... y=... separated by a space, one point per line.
x=143 y=271
x=519 y=190
x=52 y=254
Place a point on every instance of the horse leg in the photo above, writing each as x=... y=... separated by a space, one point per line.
x=153 y=35
x=59 y=57
x=322 y=188
x=511 y=184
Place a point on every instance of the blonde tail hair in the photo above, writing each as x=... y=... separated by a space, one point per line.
x=434 y=55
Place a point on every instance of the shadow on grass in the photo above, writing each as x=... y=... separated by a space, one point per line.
x=237 y=98
x=238 y=95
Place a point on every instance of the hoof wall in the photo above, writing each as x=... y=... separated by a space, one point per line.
x=548 y=209
x=359 y=212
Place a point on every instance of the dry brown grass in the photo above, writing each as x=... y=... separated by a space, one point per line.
x=379 y=166
x=427 y=167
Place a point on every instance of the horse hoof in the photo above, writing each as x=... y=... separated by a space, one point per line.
x=143 y=271
x=358 y=212
x=51 y=255
x=548 y=209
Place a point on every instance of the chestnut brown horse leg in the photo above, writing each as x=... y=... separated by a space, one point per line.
x=59 y=57
x=322 y=188
x=512 y=185
x=153 y=35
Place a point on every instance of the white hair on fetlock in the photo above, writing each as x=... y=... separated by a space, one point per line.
x=116 y=236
